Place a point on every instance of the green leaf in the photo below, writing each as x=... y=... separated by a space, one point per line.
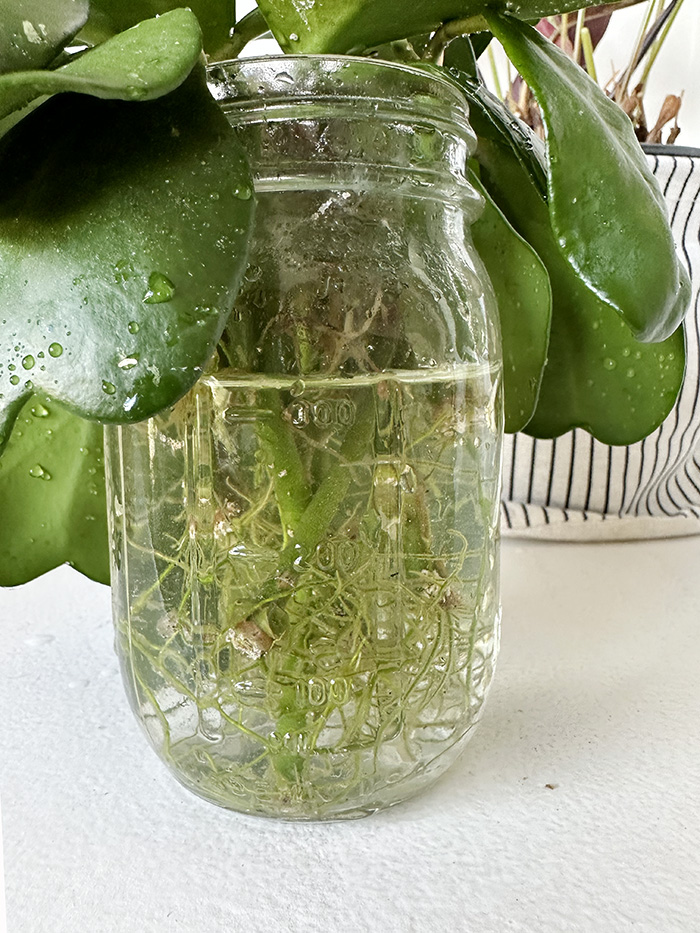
x=33 y=32
x=607 y=211
x=460 y=56
x=534 y=10
x=216 y=17
x=598 y=376
x=491 y=119
x=143 y=63
x=521 y=284
x=123 y=237
x=355 y=25
x=52 y=496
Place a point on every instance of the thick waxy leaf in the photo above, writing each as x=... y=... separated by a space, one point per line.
x=463 y=52
x=355 y=25
x=536 y=9
x=33 y=32
x=598 y=376
x=143 y=63
x=491 y=119
x=52 y=496
x=216 y=17
x=607 y=211
x=521 y=284
x=123 y=238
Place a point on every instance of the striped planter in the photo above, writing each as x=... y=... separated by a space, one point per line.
x=575 y=488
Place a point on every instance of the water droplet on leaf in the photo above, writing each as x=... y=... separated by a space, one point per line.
x=38 y=472
x=128 y=362
x=108 y=387
x=160 y=289
x=28 y=362
x=55 y=350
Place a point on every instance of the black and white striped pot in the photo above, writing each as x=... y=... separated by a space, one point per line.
x=575 y=488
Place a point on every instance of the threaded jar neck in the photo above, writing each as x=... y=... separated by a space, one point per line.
x=313 y=121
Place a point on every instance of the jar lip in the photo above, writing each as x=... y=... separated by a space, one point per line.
x=435 y=85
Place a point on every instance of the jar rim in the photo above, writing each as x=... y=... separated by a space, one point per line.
x=452 y=105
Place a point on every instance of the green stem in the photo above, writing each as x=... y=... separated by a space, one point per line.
x=291 y=489
x=587 y=45
x=580 y=23
x=314 y=521
x=250 y=27
x=456 y=27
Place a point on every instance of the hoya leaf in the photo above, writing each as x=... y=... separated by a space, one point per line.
x=462 y=54
x=216 y=17
x=33 y=32
x=521 y=284
x=616 y=388
x=123 y=240
x=534 y=10
x=52 y=496
x=491 y=119
x=607 y=210
x=598 y=376
x=142 y=63
x=355 y=25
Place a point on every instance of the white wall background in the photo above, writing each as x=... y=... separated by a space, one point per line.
x=676 y=71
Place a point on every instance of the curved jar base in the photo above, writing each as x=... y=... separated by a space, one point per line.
x=299 y=804
x=407 y=745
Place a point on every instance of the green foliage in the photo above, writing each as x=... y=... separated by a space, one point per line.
x=350 y=26
x=124 y=225
x=216 y=17
x=598 y=376
x=52 y=496
x=33 y=32
x=605 y=205
x=125 y=233
x=524 y=297
x=143 y=63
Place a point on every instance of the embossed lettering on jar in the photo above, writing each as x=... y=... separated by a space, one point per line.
x=305 y=555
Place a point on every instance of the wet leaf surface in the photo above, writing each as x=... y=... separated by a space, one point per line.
x=216 y=17
x=123 y=238
x=141 y=64
x=33 y=32
x=354 y=25
x=52 y=496
x=607 y=211
x=598 y=376
x=521 y=284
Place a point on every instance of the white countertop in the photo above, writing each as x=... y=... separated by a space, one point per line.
x=573 y=809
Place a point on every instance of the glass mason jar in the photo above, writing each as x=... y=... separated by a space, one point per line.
x=305 y=562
